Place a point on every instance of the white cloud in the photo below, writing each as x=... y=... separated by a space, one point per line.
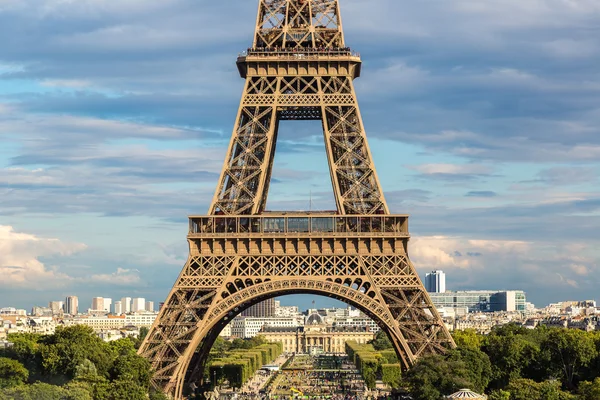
x=86 y=129
x=579 y=269
x=570 y=48
x=452 y=169
x=571 y=282
x=445 y=252
x=20 y=264
x=66 y=83
x=122 y=277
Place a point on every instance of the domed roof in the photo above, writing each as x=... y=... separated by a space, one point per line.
x=466 y=394
x=314 y=319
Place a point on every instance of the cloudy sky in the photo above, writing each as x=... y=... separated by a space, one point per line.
x=115 y=115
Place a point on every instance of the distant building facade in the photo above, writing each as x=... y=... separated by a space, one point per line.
x=482 y=300
x=265 y=308
x=107 y=304
x=126 y=304
x=248 y=327
x=138 y=304
x=98 y=304
x=101 y=322
x=315 y=339
x=56 y=307
x=355 y=322
x=226 y=332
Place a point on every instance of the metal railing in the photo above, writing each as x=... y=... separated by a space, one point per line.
x=299 y=224
x=298 y=53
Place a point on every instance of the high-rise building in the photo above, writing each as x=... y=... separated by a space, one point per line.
x=435 y=282
x=56 y=307
x=150 y=306
x=138 y=304
x=118 y=306
x=265 y=308
x=71 y=305
x=126 y=304
x=107 y=304
x=98 y=304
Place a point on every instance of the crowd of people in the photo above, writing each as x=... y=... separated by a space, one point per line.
x=322 y=377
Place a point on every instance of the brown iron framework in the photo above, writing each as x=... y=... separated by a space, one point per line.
x=298 y=68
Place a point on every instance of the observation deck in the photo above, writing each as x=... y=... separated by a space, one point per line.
x=298 y=225
x=325 y=57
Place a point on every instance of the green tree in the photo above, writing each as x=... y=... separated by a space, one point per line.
x=220 y=346
x=237 y=343
x=86 y=371
x=124 y=389
x=391 y=375
x=368 y=372
x=70 y=346
x=569 y=350
x=477 y=367
x=78 y=391
x=589 y=390
x=158 y=396
x=437 y=375
x=36 y=391
x=141 y=336
x=527 y=389
x=135 y=368
x=468 y=338
x=143 y=333
x=255 y=341
x=511 y=352
x=122 y=346
x=499 y=395
x=25 y=349
x=382 y=341
x=12 y=373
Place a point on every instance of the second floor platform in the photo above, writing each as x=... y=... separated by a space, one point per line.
x=299 y=224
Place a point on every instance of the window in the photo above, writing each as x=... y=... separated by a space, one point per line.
x=298 y=224
x=322 y=224
x=274 y=225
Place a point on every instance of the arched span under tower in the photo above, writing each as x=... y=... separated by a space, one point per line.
x=345 y=292
x=298 y=68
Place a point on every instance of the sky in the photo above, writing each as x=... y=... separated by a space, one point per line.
x=482 y=117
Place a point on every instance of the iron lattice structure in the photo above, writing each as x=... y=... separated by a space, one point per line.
x=298 y=68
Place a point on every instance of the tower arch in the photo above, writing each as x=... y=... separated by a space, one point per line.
x=204 y=337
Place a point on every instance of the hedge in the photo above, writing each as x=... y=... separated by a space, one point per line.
x=390 y=356
x=391 y=374
x=371 y=362
x=239 y=365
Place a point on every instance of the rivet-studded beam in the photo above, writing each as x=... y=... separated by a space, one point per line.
x=298 y=68
x=298 y=24
x=245 y=179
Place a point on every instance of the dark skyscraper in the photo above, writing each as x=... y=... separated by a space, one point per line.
x=265 y=308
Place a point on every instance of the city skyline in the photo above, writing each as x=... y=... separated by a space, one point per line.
x=107 y=143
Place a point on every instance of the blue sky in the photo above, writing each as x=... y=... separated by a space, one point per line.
x=115 y=116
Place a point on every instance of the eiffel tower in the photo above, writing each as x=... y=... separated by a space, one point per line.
x=298 y=68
